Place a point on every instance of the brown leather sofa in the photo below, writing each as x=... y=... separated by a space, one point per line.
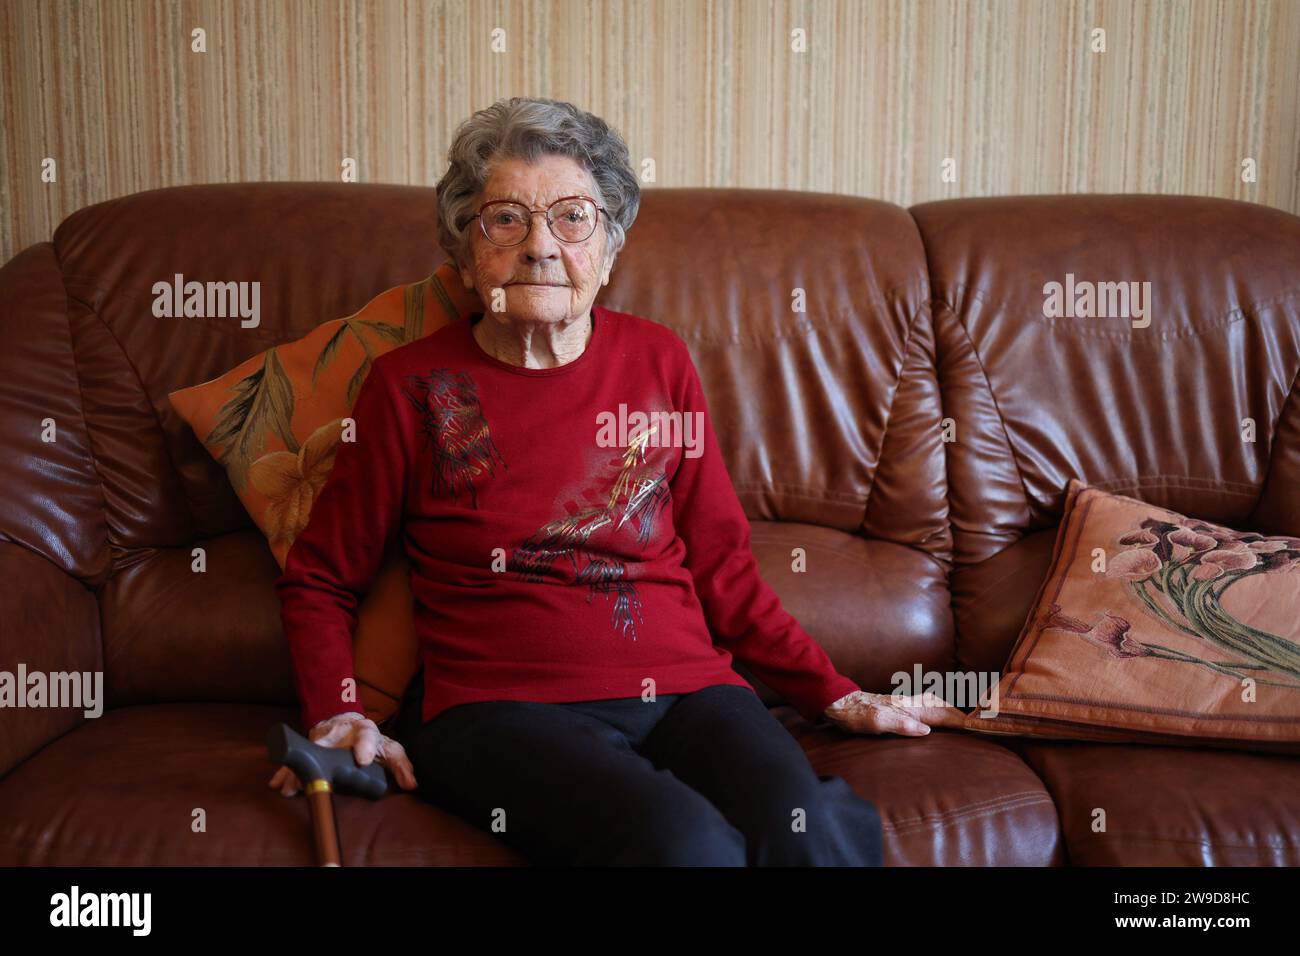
x=913 y=431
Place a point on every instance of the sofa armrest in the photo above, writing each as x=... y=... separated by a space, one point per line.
x=49 y=622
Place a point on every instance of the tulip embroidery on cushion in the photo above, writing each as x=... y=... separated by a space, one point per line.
x=1109 y=631
x=454 y=426
x=629 y=500
x=1179 y=573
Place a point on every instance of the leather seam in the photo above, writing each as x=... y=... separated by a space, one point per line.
x=845 y=321
x=90 y=441
x=893 y=398
x=126 y=357
x=1268 y=474
x=1191 y=481
x=985 y=804
x=799 y=491
x=1241 y=312
x=1002 y=421
x=1191 y=841
x=965 y=814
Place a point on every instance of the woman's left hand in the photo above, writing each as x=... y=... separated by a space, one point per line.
x=861 y=712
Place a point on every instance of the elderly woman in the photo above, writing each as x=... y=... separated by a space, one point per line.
x=581 y=564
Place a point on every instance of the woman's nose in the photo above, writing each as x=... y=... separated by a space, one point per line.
x=539 y=243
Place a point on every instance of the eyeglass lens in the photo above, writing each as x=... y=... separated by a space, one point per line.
x=571 y=220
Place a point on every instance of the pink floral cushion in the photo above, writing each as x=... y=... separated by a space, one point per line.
x=1158 y=628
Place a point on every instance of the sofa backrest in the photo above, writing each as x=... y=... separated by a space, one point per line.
x=886 y=388
x=1197 y=411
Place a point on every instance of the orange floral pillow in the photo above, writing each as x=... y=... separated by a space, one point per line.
x=1152 y=627
x=274 y=421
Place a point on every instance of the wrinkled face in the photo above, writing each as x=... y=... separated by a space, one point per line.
x=543 y=280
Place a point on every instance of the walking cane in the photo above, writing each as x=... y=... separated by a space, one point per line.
x=322 y=770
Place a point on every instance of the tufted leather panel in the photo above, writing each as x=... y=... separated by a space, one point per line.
x=803 y=402
x=58 y=502
x=319 y=250
x=1150 y=412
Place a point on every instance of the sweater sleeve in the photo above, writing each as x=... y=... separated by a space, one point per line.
x=335 y=558
x=744 y=614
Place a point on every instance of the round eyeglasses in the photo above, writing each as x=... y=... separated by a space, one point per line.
x=507 y=223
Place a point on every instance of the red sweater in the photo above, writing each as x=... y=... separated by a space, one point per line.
x=556 y=556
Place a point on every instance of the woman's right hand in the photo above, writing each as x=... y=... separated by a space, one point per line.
x=362 y=734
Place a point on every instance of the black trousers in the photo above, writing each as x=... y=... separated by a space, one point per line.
x=709 y=778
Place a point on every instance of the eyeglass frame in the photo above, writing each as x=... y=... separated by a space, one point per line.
x=533 y=212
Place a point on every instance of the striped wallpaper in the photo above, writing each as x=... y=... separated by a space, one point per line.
x=880 y=94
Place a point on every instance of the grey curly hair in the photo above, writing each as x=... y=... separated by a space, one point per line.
x=528 y=128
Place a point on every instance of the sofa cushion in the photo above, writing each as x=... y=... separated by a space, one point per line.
x=947 y=799
x=909 y=623
x=1153 y=625
x=1171 y=806
x=122 y=790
